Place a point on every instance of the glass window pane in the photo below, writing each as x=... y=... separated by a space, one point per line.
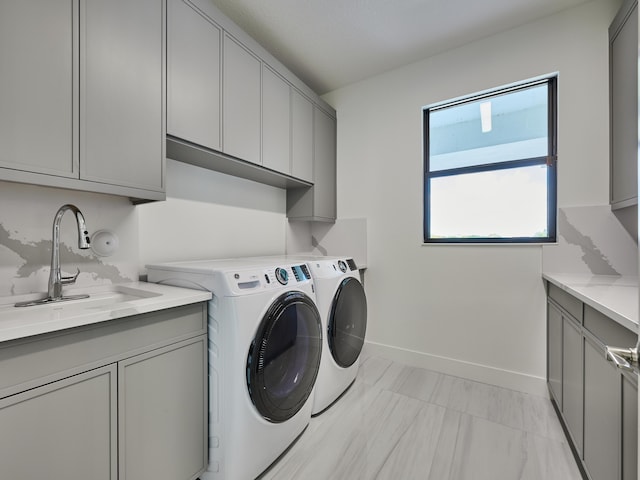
x=496 y=129
x=507 y=203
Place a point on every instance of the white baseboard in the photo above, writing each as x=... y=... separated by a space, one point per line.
x=472 y=371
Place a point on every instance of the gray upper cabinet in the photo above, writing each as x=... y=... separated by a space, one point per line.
x=193 y=76
x=232 y=107
x=302 y=136
x=121 y=87
x=623 y=62
x=38 y=95
x=324 y=165
x=276 y=121
x=318 y=203
x=87 y=111
x=241 y=82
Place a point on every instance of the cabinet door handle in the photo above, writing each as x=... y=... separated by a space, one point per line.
x=624 y=358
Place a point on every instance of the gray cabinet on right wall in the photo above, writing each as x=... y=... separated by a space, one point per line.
x=596 y=402
x=623 y=81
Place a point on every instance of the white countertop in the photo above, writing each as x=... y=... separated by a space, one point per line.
x=614 y=296
x=107 y=302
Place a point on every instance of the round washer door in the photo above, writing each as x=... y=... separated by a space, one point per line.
x=284 y=357
x=347 y=322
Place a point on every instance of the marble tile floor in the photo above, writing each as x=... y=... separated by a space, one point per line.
x=403 y=423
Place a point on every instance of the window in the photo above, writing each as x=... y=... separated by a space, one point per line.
x=490 y=167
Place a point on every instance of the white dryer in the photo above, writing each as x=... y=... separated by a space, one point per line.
x=342 y=304
x=265 y=345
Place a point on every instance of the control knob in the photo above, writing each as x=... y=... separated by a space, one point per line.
x=342 y=266
x=282 y=276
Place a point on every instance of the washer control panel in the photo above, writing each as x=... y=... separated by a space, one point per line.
x=246 y=281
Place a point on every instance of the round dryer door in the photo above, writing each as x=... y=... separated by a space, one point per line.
x=284 y=357
x=347 y=322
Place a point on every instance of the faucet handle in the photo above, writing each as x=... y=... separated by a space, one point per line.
x=69 y=280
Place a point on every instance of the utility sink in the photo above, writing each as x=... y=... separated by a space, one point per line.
x=105 y=302
x=105 y=298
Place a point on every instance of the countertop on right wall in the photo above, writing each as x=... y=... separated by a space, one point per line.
x=615 y=296
x=596 y=260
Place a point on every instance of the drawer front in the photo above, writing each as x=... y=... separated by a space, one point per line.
x=27 y=363
x=606 y=330
x=570 y=303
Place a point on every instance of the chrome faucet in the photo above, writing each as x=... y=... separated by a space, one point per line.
x=56 y=280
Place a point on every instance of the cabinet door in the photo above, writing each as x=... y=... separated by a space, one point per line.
x=554 y=352
x=324 y=165
x=240 y=102
x=624 y=111
x=601 y=415
x=65 y=430
x=276 y=122
x=121 y=91
x=572 y=380
x=163 y=413
x=629 y=429
x=193 y=76
x=38 y=98
x=302 y=137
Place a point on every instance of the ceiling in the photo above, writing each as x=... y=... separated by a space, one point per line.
x=332 y=43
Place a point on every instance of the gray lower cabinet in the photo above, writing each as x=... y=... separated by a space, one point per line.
x=93 y=98
x=602 y=416
x=629 y=428
x=161 y=402
x=62 y=430
x=597 y=402
x=554 y=352
x=125 y=399
x=572 y=385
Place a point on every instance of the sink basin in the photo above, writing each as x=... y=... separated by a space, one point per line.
x=105 y=302
x=98 y=298
x=109 y=300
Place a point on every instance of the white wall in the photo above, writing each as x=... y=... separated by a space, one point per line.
x=211 y=215
x=26 y=218
x=475 y=311
x=206 y=215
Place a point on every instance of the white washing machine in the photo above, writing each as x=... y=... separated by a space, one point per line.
x=265 y=344
x=342 y=304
